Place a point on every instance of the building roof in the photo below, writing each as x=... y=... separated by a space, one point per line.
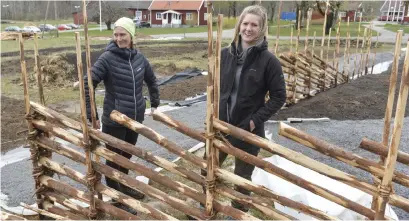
x=137 y=4
x=390 y=6
x=176 y=5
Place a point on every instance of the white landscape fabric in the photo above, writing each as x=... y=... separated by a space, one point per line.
x=298 y=194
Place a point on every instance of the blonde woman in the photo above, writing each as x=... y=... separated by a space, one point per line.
x=248 y=72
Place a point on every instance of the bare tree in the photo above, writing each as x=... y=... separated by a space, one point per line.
x=272 y=5
x=232 y=9
x=333 y=10
x=110 y=10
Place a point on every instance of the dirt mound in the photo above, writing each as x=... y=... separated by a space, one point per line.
x=12 y=122
x=165 y=69
x=364 y=98
x=181 y=89
x=58 y=69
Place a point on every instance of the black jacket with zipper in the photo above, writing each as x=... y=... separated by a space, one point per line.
x=261 y=73
x=123 y=72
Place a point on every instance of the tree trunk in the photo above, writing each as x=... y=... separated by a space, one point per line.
x=108 y=23
x=330 y=21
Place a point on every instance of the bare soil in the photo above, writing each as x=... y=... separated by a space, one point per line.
x=12 y=122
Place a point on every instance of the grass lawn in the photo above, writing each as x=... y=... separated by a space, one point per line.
x=318 y=28
x=396 y=27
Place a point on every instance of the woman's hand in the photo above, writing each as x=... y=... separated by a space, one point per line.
x=252 y=126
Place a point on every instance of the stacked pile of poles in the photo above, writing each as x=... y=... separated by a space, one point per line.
x=46 y=125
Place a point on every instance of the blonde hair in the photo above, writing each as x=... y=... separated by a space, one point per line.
x=255 y=10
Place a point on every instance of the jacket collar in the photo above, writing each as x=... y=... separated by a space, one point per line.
x=260 y=46
x=122 y=52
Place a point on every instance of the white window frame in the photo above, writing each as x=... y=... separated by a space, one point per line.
x=189 y=16
x=205 y=16
x=158 y=16
x=343 y=14
x=138 y=13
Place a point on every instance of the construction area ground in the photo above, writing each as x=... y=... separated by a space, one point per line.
x=354 y=109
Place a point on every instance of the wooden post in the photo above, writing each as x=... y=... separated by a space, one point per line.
x=382 y=150
x=361 y=61
x=87 y=143
x=328 y=45
x=356 y=49
x=337 y=51
x=291 y=39
x=323 y=31
x=88 y=61
x=340 y=154
x=37 y=68
x=313 y=45
x=346 y=49
x=385 y=186
x=374 y=56
x=298 y=31
x=369 y=44
x=34 y=150
x=44 y=212
x=115 y=194
x=282 y=173
x=308 y=28
x=349 y=42
x=210 y=111
x=278 y=26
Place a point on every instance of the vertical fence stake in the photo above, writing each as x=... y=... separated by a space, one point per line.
x=323 y=31
x=356 y=49
x=278 y=27
x=308 y=28
x=86 y=139
x=210 y=177
x=37 y=68
x=389 y=106
x=298 y=31
x=336 y=64
x=374 y=50
x=390 y=163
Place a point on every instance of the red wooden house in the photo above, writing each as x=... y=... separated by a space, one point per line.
x=177 y=13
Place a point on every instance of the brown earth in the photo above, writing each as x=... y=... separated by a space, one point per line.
x=12 y=122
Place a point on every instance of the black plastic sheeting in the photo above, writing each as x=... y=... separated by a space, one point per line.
x=188 y=73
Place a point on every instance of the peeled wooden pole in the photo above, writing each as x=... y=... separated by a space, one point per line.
x=368 y=51
x=86 y=138
x=337 y=51
x=253 y=202
x=298 y=31
x=328 y=45
x=34 y=150
x=209 y=127
x=278 y=27
x=374 y=50
x=230 y=177
x=305 y=161
x=8 y=216
x=88 y=62
x=339 y=153
x=122 y=178
x=389 y=105
x=59 y=198
x=390 y=162
x=80 y=195
x=307 y=185
x=356 y=49
x=37 y=68
x=361 y=61
x=308 y=29
x=392 y=89
x=382 y=150
x=118 y=196
x=291 y=39
x=46 y=213
x=313 y=45
x=348 y=42
x=323 y=31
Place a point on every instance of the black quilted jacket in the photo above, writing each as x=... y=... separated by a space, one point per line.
x=123 y=72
